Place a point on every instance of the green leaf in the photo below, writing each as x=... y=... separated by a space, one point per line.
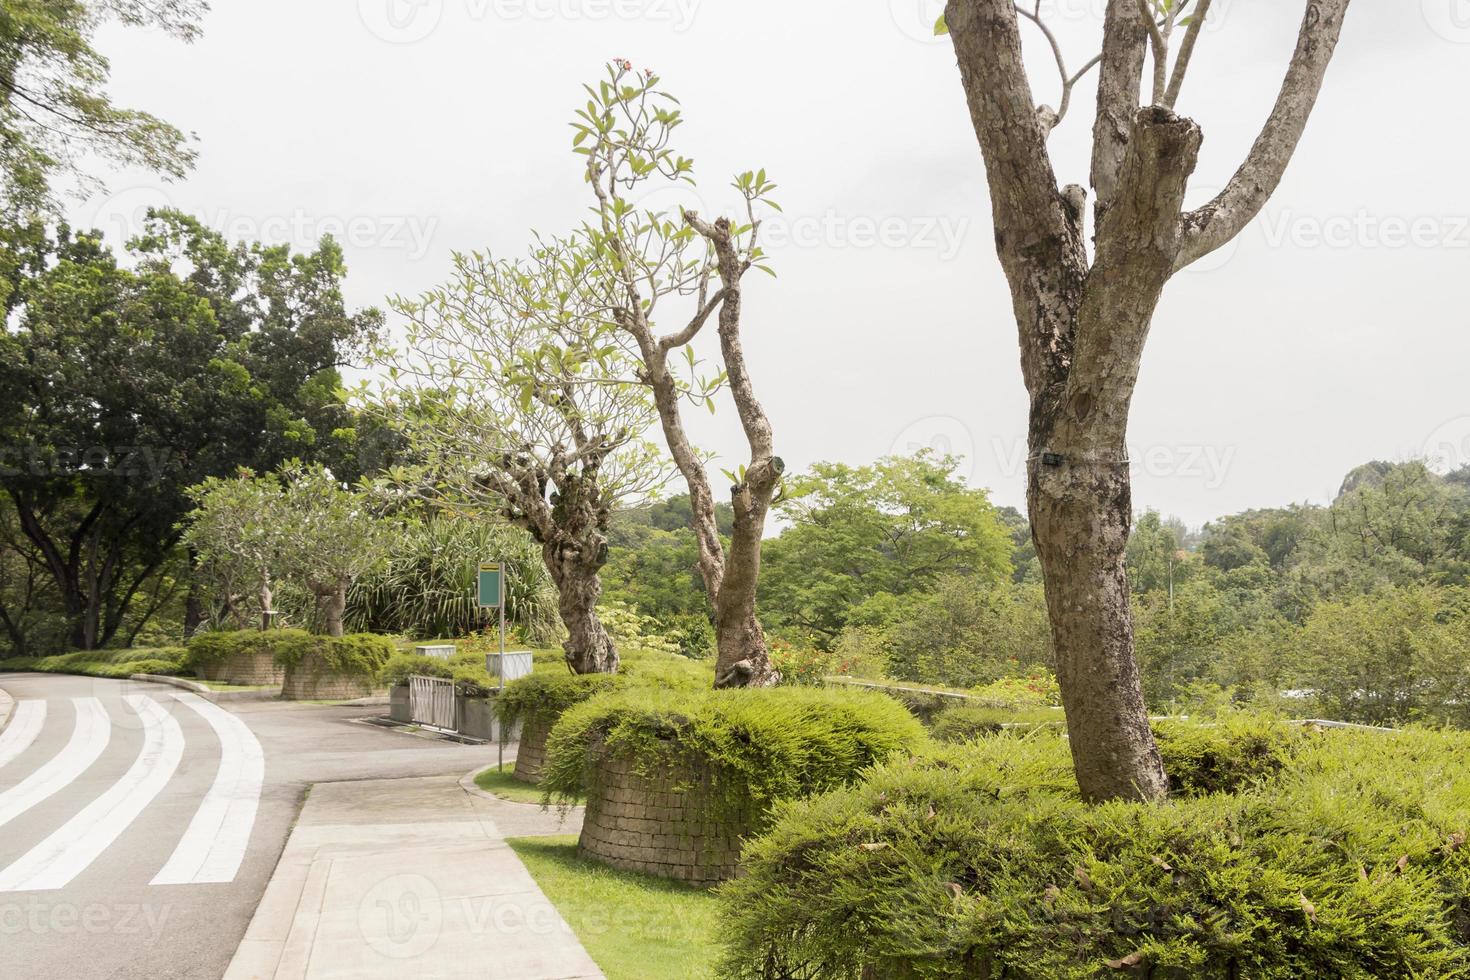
x=940 y=27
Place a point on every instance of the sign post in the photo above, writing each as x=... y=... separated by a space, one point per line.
x=491 y=586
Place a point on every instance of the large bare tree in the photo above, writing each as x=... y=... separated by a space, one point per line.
x=1084 y=315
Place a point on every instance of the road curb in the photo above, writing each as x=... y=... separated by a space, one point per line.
x=270 y=694
x=6 y=704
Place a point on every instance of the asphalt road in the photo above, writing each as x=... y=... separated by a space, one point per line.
x=139 y=824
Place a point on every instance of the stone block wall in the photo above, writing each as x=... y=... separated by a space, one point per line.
x=531 y=753
x=258 y=667
x=672 y=825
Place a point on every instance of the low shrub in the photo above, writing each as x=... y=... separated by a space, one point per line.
x=766 y=745
x=360 y=655
x=965 y=722
x=551 y=689
x=467 y=670
x=1231 y=753
x=802 y=665
x=1288 y=854
x=105 y=663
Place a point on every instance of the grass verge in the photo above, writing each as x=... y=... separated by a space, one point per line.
x=634 y=926
x=506 y=786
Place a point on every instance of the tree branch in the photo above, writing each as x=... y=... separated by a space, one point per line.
x=1124 y=44
x=1215 y=224
x=1186 y=53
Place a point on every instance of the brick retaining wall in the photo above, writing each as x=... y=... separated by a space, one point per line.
x=258 y=667
x=531 y=752
x=307 y=682
x=672 y=825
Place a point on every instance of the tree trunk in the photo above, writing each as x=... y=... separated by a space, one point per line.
x=267 y=599
x=743 y=657
x=588 y=647
x=1080 y=518
x=332 y=604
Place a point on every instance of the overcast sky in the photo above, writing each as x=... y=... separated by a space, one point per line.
x=1333 y=332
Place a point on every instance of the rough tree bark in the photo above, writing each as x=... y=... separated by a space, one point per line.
x=1083 y=323
x=571 y=525
x=331 y=603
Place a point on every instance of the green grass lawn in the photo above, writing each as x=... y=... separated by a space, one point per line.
x=634 y=926
x=506 y=786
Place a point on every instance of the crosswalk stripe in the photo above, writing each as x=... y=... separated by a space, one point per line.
x=214 y=845
x=88 y=740
x=58 y=859
x=25 y=725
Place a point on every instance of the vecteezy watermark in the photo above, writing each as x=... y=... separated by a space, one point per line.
x=411 y=21
x=1448 y=447
x=942 y=435
x=39 y=918
x=1450 y=19
x=919 y=18
x=1363 y=229
x=944 y=234
x=121 y=462
x=124 y=214
x=401 y=917
x=1209 y=465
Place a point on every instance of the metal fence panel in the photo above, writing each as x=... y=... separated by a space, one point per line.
x=431 y=703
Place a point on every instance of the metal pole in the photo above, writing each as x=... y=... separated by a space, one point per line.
x=500 y=719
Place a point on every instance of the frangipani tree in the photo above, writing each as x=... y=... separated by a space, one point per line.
x=516 y=400
x=1084 y=314
x=237 y=529
x=651 y=267
x=331 y=535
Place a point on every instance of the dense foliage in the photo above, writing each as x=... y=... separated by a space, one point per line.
x=982 y=861
x=361 y=655
x=100 y=663
x=134 y=379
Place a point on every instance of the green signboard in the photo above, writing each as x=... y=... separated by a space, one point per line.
x=492 y=585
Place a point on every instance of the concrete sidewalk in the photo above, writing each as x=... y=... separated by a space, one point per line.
x=409 y=878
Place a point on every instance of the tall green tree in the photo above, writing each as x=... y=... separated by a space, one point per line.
x=133 y=384
x=894 y=527
x=54 y=106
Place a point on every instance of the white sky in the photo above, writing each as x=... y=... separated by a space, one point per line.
x=1334 y=332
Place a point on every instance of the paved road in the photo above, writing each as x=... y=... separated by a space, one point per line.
x=139 y=823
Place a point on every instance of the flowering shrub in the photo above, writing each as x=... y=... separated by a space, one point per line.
x=1039 y=686
x=801 y=665
x=630 y=631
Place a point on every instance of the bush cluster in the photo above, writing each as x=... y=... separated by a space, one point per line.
x=550 y=691
x=965 y=722
x=982 y=861
x=361 y=655
x=105 y=663
x=762 y=745
x=467 y=670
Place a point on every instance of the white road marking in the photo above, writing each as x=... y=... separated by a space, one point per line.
x=58 y=859
x=25 y=725
x=214 y=845
x=88 y=740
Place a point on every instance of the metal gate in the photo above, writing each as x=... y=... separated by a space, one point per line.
x=431 y=703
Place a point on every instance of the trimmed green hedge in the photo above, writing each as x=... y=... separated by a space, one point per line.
x=1339 y=854
x=551 y=690
x=361 y=655
x=467 y=670
x=105 y=663
x=965 y=722
x=766 y=745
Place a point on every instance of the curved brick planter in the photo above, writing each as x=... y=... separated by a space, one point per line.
x=531 y=751
x=256 y=667
x=310 y=682
x=671 y=825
